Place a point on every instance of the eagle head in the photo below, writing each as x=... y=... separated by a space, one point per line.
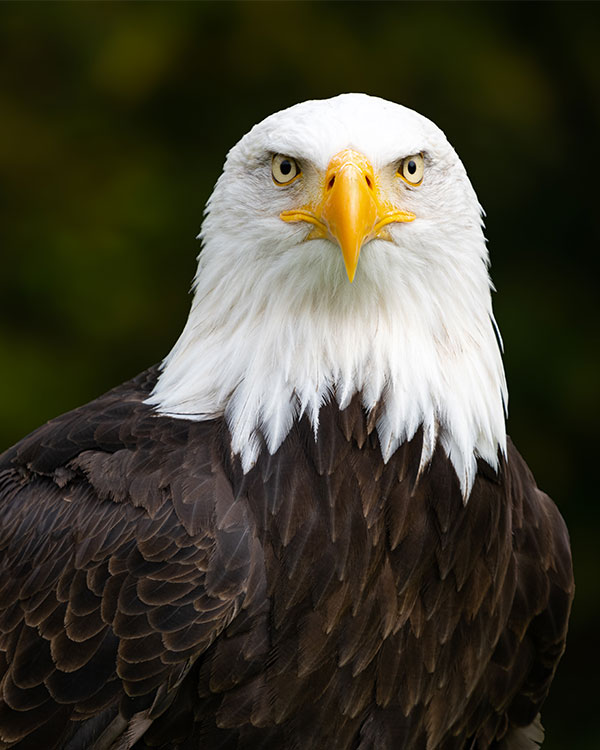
x=342 y=254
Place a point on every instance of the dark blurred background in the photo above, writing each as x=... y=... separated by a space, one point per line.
x=114 y=122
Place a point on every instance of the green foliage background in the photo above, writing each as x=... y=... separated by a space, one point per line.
x=114 y=122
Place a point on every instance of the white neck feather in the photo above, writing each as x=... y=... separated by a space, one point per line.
x=415 y=335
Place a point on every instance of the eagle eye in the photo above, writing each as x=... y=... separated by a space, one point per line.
x=411 y=169
x=284 y=169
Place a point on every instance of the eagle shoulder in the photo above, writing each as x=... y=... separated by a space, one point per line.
x=123 y=554
x=539 y=588
x=544 y=591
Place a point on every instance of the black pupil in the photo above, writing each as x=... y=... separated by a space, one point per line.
x=411 y=166
x=285 y=166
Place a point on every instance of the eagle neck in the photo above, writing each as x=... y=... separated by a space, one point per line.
x=264 y=359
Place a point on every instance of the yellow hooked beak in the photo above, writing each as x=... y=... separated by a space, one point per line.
x=350 y=210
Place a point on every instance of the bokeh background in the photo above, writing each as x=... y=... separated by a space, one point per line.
x=114 y=122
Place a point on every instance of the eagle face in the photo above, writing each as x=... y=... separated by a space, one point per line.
x=348 y=192
x=343 y=254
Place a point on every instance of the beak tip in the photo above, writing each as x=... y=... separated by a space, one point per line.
x=351 y=262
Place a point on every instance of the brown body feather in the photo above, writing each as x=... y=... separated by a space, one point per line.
x=151 y=595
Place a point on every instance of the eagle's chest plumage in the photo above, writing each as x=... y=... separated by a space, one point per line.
x=322 y=599
x=370 y=591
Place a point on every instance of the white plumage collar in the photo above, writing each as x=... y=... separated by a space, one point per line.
x=276 y=329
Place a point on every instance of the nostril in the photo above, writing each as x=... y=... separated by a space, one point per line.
x=331 y=183
x=368 y=181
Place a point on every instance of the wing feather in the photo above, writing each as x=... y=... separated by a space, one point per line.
x=122 y=555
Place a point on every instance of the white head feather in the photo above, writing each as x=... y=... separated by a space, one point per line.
x=276 y=329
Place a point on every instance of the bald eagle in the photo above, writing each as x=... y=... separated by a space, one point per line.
x=307 y=527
